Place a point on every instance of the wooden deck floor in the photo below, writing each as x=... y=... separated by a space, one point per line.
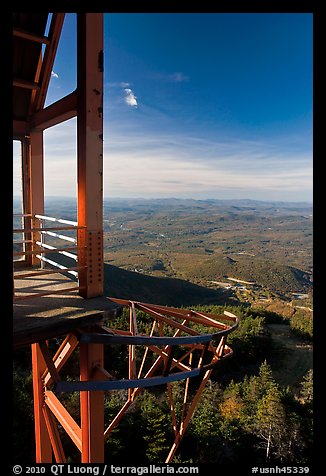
x=55 y=314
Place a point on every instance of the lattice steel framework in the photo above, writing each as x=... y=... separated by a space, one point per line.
x=175 y=349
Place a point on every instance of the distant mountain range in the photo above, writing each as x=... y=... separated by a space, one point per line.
x=269 y=242
x=181 y=201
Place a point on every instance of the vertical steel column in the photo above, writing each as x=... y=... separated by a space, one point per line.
x=26 y=189
x=42 y=438
x=91 y=406
x=90 y=151
x=36 y=172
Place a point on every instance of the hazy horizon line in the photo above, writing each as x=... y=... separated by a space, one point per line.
x=178 y=198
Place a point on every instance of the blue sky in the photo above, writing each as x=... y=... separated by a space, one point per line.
x=195 y=106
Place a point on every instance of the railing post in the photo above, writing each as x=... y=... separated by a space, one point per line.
x=36 y=185
x=26 y=189
x=42 y=240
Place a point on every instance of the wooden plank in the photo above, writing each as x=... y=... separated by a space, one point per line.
x=44 y=272
x=37 y=294
x=55 y=315
x=26 y=332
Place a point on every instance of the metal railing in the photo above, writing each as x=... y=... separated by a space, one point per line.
x=37 y=247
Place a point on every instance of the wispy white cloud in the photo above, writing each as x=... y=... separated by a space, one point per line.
x=138 y=163
x=178 y=77
x=118 y=84
x=130 y=98
x=175 y=165
x=175 y=77
x=54 y=75
x=157 y=177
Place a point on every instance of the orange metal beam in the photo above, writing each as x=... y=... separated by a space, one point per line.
x=167 y=320
x=62 y=355
x=64 y=418
x=185 y=422
x=164 y=355
x=49 y=362
x=26 y=195
x=22 y=83
x=185 y=397
x=36 y=80
x=117 y=418
x=174 y=419
x=91 y=405
x=132 y=351
x=36 y=177
x=90 y=436
x=146 y=352
x=100 y=372
x=192 y=316
x=90 y=150
x=29 y=36
x=58 y=451
x=48 y=60
x=136 y=391
x=20 y=129
x=58 y=112
x=42 y=439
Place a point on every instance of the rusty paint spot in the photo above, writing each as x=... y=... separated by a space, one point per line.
x=96 y=91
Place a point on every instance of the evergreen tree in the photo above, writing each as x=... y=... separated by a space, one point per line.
x=307 y=391
x=270 y=425
x=265 y=377
x=157 y=434
x=307 y=407
x=205 y=425
x=232 y=406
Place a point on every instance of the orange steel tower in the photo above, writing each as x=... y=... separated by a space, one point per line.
x=53 y=300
